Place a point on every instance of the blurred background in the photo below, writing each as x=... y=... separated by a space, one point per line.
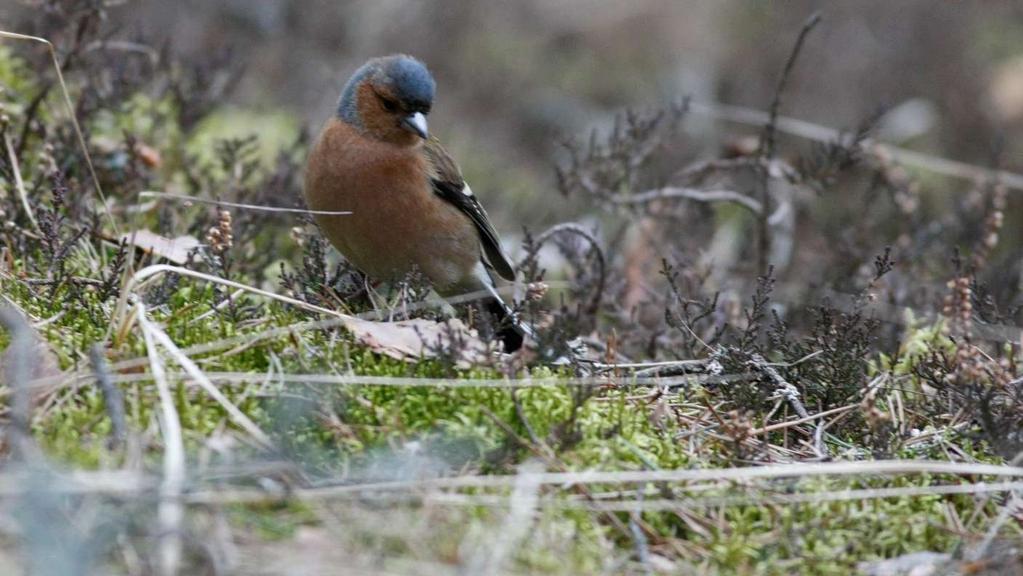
x=516 y=78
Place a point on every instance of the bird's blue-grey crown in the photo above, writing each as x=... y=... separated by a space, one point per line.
x=408 y=79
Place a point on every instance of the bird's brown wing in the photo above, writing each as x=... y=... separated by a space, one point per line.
x=448 y=183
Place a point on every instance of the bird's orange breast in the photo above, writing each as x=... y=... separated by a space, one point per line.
x=397 y=222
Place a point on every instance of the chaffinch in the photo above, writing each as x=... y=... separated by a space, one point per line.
x=411 y=208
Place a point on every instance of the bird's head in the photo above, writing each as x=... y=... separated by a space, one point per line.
x=388 y=99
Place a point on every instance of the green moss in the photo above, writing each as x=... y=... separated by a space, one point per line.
x=272 y=521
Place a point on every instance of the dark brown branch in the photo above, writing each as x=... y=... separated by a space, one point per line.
x=770 y=130
x=767 y=146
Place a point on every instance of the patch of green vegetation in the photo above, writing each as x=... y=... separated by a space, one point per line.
x=276 y=130
x=272 y=520
x=15 y=78
x=332 y=428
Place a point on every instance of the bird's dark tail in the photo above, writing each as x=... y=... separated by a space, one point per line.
x=510 y=329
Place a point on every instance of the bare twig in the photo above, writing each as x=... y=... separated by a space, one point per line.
x=695 y=194
x=770 y=129
x=784 y=389
x=767 y=148
x=151 y=54
x=811 y=418
x=524 y=420
x=229 y=301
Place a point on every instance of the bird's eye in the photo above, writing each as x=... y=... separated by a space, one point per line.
x=389 y=105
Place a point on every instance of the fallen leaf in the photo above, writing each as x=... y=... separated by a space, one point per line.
x=419 y=338
x=1006 y=89
x=174 y=249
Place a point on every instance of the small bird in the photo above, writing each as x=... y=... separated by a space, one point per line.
x=410 y=207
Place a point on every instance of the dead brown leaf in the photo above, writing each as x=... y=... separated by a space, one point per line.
x=173 y=249
x=419 y=338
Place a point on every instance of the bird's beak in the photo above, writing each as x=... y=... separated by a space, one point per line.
x=416 y=124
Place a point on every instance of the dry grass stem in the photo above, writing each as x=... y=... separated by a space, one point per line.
x=171 y=511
